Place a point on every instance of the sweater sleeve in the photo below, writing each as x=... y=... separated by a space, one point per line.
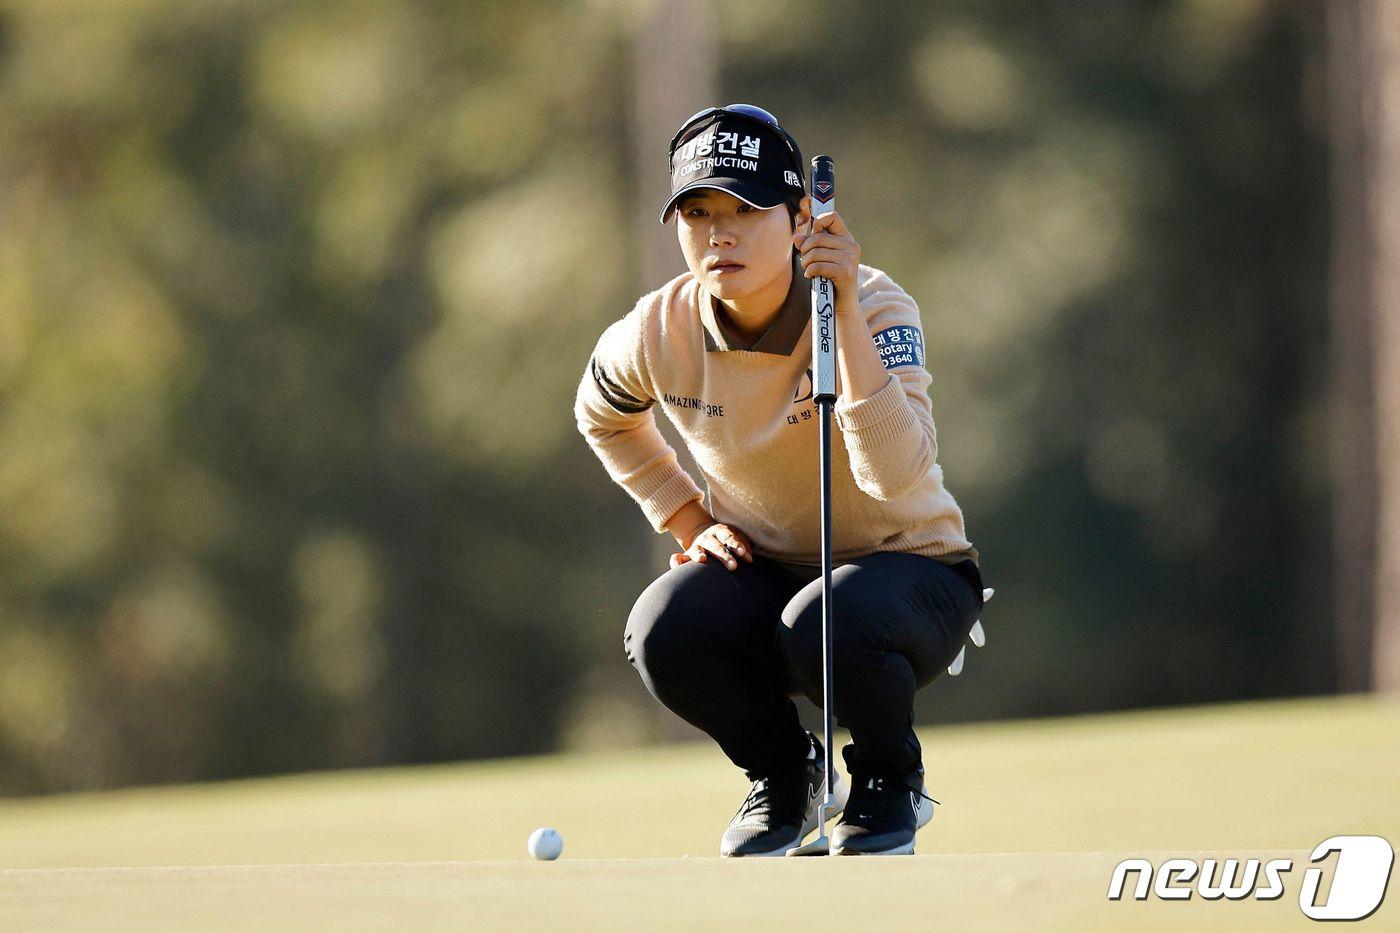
x=890 y=436
x=613 y=409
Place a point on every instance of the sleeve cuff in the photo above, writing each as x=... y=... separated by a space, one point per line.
x=665 y=492
x=879 y=418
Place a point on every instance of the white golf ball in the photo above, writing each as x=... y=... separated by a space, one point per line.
x=545 y=844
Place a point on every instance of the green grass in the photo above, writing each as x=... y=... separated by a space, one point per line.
x=1034 y=815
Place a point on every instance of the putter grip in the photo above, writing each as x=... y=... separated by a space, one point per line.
x=823 y=291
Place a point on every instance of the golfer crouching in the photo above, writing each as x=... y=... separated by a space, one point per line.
x=732 y=631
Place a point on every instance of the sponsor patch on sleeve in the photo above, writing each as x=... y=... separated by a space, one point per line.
x=900 y=346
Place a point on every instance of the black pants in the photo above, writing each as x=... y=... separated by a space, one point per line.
x=727 y=650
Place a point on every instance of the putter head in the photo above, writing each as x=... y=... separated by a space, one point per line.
x=818 y=846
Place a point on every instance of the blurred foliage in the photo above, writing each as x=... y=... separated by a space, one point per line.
x=294 y=297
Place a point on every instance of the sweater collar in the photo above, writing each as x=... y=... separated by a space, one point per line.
x=781 y=336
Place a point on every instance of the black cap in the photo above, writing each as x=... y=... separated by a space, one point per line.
x=743 y=156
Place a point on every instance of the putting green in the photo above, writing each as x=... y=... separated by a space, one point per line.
x=1034 y=816
x=1010 y=891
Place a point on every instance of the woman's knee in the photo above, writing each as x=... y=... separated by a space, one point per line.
x=661 y=628
x=801 y=638
x=855 y=641
x=650 y=637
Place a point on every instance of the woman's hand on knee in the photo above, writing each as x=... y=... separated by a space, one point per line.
x=720 y=542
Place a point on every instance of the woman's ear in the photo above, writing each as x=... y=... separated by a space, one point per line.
x=804 y=213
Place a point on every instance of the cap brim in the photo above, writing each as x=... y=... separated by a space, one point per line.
x=750 y=192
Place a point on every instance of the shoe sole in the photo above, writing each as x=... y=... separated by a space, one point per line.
x=906 y=849
x=842 y=793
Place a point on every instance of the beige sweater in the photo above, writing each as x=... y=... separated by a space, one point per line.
x=747 y=416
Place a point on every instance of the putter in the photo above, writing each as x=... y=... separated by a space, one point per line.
x=824 y=392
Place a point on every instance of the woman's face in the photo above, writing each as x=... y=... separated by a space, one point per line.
x=732 y=248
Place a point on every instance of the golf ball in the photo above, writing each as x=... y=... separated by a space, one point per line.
x=545 y=844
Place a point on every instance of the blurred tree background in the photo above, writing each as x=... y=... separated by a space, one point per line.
x=294 y=297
